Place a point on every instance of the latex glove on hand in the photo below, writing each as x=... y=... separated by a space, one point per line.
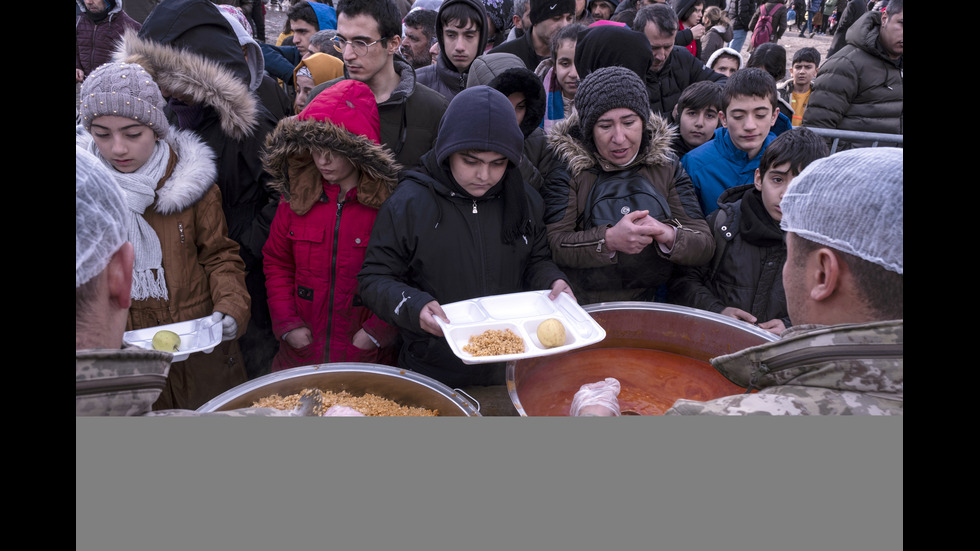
x=596 y=400
x=229 y=327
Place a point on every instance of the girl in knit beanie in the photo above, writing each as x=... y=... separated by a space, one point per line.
x=185 y=265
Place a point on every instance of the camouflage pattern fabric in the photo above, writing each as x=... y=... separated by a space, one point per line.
x=852 y=369
x=127 y=381
x=122 y=382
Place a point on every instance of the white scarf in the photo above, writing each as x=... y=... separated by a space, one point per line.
x=139 y=191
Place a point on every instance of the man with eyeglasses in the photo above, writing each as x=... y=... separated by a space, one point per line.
x=369 y=38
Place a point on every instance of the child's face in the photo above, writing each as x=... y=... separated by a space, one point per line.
x=477 y=171
x=304 y=85
x=698 y=126
x=803 y=73
x=519 y=101
x=748 y=120
x=565 y=71
x=125 y=143
x=335 y=168
x=462 y=42
x=773 y=185
x=725 y=65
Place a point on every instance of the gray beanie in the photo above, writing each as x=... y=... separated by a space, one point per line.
x=123 y=90
x=851 y=201
x=101 y=216
x=605 y=89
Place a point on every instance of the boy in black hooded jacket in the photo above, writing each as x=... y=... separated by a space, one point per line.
x=464 y=225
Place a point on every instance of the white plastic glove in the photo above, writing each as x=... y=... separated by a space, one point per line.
x=597 y=399
x=229 y=327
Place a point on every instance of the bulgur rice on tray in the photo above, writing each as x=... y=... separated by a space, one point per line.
x=495 y=342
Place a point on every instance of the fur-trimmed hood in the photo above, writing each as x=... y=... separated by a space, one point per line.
x=287 y=159
x=192 y=176
x=343 y=119
x=565 y=141
x=200 y=80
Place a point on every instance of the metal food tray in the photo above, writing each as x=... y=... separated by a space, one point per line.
x=197 y=335
x=521 y=313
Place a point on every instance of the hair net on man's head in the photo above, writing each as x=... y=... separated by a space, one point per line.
x=851 y=201
x=100 y=216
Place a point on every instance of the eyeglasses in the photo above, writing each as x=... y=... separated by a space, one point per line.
x=359 y=46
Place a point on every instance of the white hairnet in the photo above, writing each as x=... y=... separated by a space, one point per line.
x=100 y=216
x=851 y=201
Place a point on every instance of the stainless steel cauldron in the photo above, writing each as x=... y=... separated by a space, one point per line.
x=658 y=352
x=405 y=387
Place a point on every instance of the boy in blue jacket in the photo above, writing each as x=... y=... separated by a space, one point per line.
x=749 y=109
x=744 y=278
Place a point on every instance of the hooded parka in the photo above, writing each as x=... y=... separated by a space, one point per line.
x=193 y=53
x=204 y=272
x=435 y=241
x=318 y=238
x=597 y=274
x=749 y=270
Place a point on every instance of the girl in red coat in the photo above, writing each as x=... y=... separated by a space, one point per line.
x=333 y=174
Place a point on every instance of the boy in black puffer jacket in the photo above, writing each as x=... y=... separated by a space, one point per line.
x=744 y=278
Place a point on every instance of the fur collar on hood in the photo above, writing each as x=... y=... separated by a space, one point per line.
x=565 y=141
x=195 y=173
x=202 y=80
x=287 y=159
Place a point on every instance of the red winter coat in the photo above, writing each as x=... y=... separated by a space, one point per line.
x=316 y=246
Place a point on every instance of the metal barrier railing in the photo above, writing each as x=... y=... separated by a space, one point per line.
x=852 y=136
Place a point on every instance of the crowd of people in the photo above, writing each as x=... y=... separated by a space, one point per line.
x=322 y=197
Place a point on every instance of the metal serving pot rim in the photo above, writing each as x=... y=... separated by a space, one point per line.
x=511 y=367
x=456 y=396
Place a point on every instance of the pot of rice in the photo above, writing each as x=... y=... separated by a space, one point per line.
x=658 y=352
x=373 y=390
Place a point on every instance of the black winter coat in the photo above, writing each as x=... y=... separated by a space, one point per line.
x=431 y=241
x=742 y=275
x=680 y=71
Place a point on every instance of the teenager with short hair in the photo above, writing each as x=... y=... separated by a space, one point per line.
x=749 y=109
x=744 y=279
x=462 y=36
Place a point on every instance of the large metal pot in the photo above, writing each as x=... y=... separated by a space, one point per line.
x=658 y=352
x=405 y=387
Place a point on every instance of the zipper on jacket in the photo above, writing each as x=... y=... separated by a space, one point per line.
x=180 y=229
x=598 y=245
x=120 y=384
x=333 y=279
x=474 y=206
x=825 y=353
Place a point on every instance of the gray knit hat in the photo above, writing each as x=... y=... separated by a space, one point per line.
x=123 y=90
x=605 y=89
x=851 y=201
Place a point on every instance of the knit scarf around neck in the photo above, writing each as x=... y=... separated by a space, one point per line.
x=139 y=191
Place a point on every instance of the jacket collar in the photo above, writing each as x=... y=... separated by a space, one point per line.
x=564 y=142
